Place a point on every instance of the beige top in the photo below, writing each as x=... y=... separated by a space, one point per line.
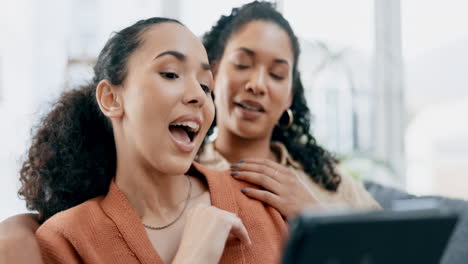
x=350 y=193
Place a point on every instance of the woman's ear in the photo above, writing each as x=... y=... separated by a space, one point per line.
x=110 y=102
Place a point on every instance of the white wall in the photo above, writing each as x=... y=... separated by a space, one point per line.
x=435 y=48
x=16 y=106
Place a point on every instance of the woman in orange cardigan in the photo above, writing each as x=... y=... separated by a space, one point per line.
x=111 y=170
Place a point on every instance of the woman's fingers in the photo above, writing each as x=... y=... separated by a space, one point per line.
x=276 y=170
x=284 y=190
x=230 y=222
x=264 y=196
x=257 y=179
x=207 y=228
x=238 y=230
x=257 y=168
x=265 y=162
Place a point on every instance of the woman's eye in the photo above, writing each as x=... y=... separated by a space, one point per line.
x=205 y=88
x=241 y=66
x=169 y=75
x=276 y=76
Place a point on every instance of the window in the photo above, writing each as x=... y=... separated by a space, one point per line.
x=337 y=67
x=91 y=23
x=436 y=62
x=1 y=80
x=337 y=46
x=199 y=16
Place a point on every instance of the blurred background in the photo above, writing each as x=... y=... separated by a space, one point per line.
x=386 y=81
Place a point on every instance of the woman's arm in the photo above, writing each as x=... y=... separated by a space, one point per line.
x=17 y=241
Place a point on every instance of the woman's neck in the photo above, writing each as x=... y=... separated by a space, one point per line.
x=156 y=197
x=234 y=148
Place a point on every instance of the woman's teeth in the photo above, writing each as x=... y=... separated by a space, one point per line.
x=191 y=126
x=258 y=109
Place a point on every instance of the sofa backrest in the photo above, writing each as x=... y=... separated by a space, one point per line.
x=457 y=248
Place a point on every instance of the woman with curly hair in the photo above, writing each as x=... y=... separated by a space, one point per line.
x=111 y=169
x=262 y=118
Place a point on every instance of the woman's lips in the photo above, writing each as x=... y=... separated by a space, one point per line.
x=248 y=112
x=250 y=105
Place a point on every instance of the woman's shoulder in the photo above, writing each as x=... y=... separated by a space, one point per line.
x=226 y=192
x=75 y=219
x=209 y=173
x=220 y=181
x=80 y=234
x=354 y=193
x=210 y=158
x=350 y=192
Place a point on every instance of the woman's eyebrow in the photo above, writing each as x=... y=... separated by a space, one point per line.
x=246 y=50
x=252 y=53
x=283 y=61
x=178 y=55
x=182 y=57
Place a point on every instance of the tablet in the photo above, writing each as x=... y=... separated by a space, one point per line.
x=412 y=236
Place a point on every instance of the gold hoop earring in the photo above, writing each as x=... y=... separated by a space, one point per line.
x=290 y=118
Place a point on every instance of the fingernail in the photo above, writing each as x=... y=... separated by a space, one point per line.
x=235 y=165
x=234 y=173
x=244 y=190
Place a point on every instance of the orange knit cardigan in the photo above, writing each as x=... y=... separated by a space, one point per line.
x=107 y=229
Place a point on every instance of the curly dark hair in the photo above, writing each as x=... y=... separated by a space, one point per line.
x=72 y=157
x=316 y=161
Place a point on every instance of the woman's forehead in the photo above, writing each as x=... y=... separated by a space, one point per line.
x=262 y=37
x=172 y=36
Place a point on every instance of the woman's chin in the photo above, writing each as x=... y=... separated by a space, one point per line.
x=250 y=132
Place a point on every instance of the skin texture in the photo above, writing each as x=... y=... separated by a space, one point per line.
x=254 y=70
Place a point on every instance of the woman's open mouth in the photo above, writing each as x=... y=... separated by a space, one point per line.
x=184 y=133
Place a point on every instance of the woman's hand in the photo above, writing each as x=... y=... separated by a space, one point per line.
x=283 y=189
x=17 y=241
x=206 y=231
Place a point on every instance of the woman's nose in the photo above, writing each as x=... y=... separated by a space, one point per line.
x=194 y=93
x=257 y=83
